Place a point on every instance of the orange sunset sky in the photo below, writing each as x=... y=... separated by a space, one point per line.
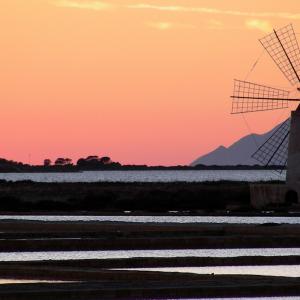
x=142 y=81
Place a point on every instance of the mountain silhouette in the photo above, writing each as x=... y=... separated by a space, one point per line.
x=238 y=153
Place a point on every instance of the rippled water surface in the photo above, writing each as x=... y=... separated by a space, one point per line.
x=147 y=176
x=69 y=255
x=160 y=219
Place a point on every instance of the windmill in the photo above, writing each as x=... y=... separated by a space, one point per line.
x=282 y=149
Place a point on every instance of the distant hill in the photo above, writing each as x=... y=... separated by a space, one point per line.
x=238 y=153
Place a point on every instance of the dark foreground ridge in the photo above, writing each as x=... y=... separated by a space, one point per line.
x=153 y=285
x=114 y=279
x=197 y=198
x=73 y=236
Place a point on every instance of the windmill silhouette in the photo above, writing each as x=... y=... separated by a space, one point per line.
x=282 y=149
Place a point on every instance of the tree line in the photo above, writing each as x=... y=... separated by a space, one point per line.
x=90 y=162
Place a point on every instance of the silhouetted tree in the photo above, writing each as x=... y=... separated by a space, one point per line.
x=90 y=162
x=68 y=161
x=105 y=160
x=92 y=157
x=47 y=162
x=10 y=165
x=95 y=162
x=63 y=161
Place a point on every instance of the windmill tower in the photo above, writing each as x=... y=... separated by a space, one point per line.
x=283 y=147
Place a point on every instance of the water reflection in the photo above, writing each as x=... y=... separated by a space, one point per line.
x=16 y=281
x=278 y=270
x=160 y=219
x=148 y=176
x=69 y=255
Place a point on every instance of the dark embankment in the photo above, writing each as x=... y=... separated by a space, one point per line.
x=146 y=243
x=16 y=197
x=71 y=236
x=90 y=281
x=99 y=279
x=118 y=285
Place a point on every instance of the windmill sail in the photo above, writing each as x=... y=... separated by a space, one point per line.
x=282 y=46
x=251 y=97
x=274 y=152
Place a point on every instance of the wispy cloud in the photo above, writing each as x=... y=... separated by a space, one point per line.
x=161 y=25
x=207 y=10
x=157 y=7
x=262 y=25
x=168 y=25
x=100 y=5
x=91 y=5
x=253 y=20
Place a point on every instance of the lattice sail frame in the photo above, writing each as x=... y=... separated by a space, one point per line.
x=252 y=97
x=283 y=47
x=274 y=151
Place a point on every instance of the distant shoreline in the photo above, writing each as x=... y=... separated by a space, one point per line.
x=75 y=169
x=94 y=163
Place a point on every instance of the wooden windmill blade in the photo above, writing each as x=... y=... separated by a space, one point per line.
x=252 y=97
x=274 y=151
x=283 y=47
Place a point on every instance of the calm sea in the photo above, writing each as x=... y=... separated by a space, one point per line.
x=148 y=176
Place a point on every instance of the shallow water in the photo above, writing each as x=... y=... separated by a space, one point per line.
x=161 y=219
x=278 y=270
x=148 y=176
x=71 y=255
x=14 y=281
